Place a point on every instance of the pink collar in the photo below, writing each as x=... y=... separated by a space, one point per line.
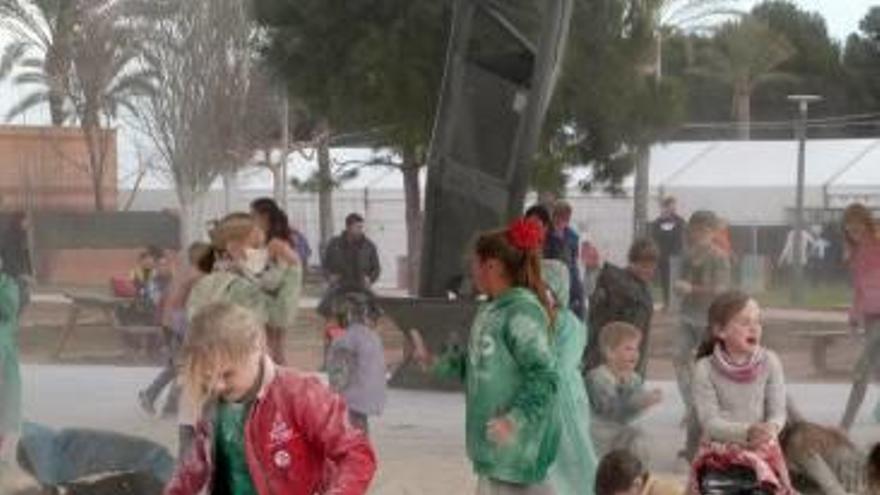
x=740 y=373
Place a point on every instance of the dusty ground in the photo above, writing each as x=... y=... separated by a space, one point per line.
x=420 y=439
x=99 y=344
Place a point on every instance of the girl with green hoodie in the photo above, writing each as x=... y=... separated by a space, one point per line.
x=10 y=377
x=512 y=425
x=574 y=472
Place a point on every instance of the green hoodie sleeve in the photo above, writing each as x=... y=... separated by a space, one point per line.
x=8 y=301
x=528 y=340
x=452 y=364
x=283 y=304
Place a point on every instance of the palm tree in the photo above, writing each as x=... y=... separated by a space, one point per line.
x=109 y=74
x=647 y=23
x=41 y=33
x=687 y=16
x=101 y=71
x=746 y=56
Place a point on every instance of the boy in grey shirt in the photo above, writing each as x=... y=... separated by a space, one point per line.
x=617 y=392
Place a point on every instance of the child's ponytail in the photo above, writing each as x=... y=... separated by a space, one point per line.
x=518 y=248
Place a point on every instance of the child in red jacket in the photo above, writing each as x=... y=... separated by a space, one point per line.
x=263 y=429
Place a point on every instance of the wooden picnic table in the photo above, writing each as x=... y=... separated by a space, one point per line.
x=108 y=306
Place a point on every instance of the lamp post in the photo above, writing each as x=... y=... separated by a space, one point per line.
x=797 y=284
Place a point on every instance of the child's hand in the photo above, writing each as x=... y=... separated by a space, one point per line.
x=655 y=397
x=500 y=430
x=760 y=434
x=683 y=287
x=282 y=252
x=652 y=398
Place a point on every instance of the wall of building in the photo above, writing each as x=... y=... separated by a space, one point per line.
x=47 y=168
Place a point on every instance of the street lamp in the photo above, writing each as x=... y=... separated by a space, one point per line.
x=797 y=286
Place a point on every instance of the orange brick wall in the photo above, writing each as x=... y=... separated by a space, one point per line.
x=51 y=163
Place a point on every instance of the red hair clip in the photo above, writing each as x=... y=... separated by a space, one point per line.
x=526 y=234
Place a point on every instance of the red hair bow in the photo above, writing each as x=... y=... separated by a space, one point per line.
x=526 y=234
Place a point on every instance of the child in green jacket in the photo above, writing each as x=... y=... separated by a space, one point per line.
x=10 y=377
x=575 y=466
x=512 y=425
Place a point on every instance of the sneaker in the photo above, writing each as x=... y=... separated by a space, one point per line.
x=146 y=404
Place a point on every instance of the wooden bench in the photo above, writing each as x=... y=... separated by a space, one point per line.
x=820 y=342
x=108 y=306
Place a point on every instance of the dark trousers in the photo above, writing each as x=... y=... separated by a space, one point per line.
x=665 y=269
x=167 y=376
x=359 y=421
x=865 y=370
x=162 y=380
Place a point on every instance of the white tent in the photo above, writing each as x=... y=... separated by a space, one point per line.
x=754 y=182
x=747 y=182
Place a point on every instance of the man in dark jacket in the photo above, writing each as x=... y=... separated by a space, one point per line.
x=668 y=232
x=350 y=262
x=624 y=294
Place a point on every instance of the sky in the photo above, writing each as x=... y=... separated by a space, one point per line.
x=842 y=16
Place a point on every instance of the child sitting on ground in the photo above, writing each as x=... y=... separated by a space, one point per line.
x=145 y=296
x=262 y=428
x=739 y=392
x=356 y=363
x=617 y=392
x=622 y=473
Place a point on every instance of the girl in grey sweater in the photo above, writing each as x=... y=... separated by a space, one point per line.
x=356 y=362
x=739 y=392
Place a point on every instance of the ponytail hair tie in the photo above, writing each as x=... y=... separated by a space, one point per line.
x=525 y=234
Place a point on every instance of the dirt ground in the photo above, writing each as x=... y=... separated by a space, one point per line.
x=95 y=342
x=402 y=442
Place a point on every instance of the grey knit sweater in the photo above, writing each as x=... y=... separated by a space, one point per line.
x=727 y=409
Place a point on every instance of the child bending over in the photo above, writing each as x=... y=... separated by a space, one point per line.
x=262 y=429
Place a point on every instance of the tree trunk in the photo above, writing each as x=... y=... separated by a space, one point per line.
x=280 y=189
x=192 y=216
x=56 y=105
x=228 y=188
x=187 y=235
x=96 y=149
x=325 y=192
x=641 y=191
x=413 y=200
x=742 y=111
x=278 y=180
